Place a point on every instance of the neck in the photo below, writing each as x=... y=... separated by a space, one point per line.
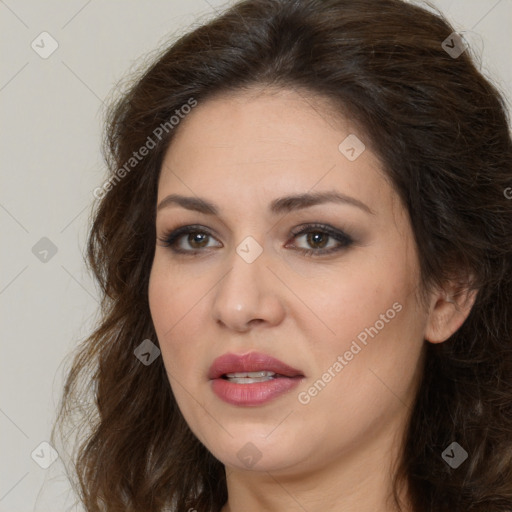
x=359 y=480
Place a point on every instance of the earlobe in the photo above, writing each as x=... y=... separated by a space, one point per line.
x=449 y=310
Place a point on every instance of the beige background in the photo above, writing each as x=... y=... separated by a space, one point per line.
x=51 y=111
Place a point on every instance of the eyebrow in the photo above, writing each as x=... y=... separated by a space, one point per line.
x=281 y=205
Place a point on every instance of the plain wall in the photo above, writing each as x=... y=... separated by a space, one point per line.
x=51 y=111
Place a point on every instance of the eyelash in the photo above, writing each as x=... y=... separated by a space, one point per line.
x=170 y=239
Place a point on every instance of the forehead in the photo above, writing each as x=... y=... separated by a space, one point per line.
x=259 y=120
x=269 y=143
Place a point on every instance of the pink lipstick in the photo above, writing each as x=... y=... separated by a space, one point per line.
x=251 y=379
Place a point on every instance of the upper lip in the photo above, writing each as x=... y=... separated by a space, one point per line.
x=251 y=362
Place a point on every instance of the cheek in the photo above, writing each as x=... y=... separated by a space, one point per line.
x=360 y=296
x=375 y=321
x=175 y=306
x=171 y=303
x=162 y=299
x=367 y=374
x=171 y=295
x=178 y=303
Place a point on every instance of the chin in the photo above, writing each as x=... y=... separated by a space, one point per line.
x=252 y=452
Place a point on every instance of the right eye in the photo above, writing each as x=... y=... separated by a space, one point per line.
x=197 y=239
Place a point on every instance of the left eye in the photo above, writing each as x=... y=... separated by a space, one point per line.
x=316 y=236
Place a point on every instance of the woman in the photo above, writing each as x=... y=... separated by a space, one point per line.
x=305 y=250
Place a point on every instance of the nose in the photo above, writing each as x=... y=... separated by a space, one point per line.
x=248 y=295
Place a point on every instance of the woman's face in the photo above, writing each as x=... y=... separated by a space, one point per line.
x=344 y=315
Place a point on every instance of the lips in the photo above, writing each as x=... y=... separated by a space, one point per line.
x=251 y=380
x=252 y=362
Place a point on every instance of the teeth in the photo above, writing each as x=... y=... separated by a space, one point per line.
x=247 y=380
x=251 y=375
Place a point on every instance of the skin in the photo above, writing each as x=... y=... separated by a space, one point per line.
x=241 y=151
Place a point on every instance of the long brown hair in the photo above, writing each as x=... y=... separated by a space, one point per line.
x=441 y=131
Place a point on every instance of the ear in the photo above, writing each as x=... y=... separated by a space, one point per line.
x=449 y=308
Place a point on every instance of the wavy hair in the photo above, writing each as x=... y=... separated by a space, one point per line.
x=442 y=133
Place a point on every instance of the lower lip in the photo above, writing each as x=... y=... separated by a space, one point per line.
x=253 y=394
